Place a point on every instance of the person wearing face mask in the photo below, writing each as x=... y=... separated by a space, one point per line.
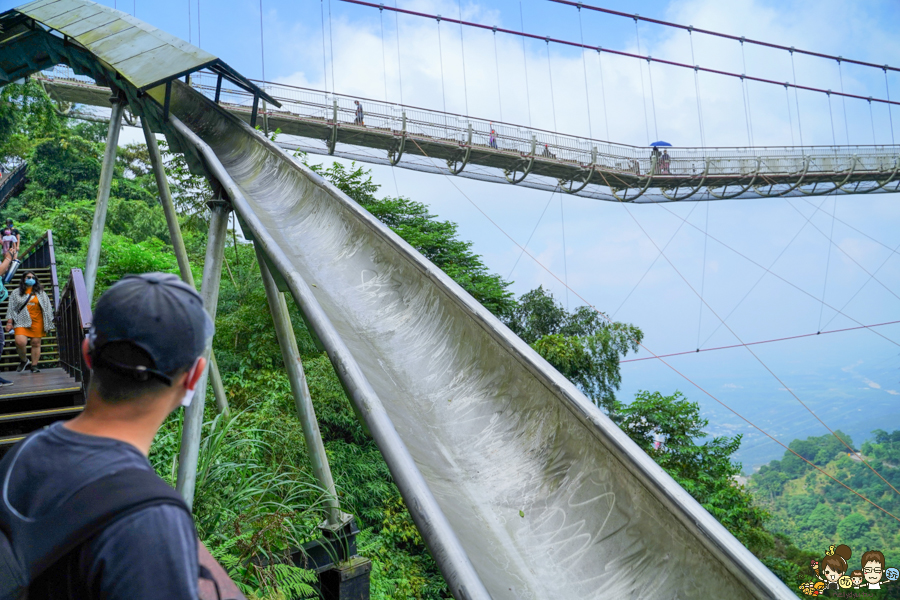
x=30 y=314
x=145 y=351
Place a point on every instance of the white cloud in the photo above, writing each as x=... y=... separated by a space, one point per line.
x=871 y=384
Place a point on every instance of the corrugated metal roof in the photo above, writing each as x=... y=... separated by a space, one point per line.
x=143 y=55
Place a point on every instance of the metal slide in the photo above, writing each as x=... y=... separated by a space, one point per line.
x=547 y=497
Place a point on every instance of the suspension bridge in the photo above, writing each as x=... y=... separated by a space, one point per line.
x=520 y=486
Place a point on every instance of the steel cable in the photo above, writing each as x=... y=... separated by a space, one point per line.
x=552 y=274
x=641 y=71
x=587 y=93
x=462 y=45
x=497 y=70
x=525 y=58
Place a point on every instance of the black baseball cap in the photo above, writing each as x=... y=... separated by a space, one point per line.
x=157 y=313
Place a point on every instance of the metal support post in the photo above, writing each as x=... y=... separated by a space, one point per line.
x=106 y=175
x=255 y=113
x=209 y=290
x=284 y=331
x=165 y=196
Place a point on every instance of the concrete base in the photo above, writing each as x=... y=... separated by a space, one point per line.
x=348 y=580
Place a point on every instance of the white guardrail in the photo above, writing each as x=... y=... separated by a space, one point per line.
x=317 y=106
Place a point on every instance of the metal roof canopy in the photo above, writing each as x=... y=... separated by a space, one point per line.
x=142 y=55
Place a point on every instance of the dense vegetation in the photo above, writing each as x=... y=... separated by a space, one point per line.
x=814 y=512
x=256 y=496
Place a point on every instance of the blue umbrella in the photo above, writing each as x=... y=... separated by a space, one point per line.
x=660 y=144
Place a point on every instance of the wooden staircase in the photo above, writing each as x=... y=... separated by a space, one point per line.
x=49 y=345
x=35 y=400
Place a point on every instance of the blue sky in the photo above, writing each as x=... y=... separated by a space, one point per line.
x=850 y=379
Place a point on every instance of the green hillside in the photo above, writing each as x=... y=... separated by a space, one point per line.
x=814 y=512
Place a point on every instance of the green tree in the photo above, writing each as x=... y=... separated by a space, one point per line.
x=582 y=345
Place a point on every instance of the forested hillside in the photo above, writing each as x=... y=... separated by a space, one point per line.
x=814 y=512
x=256 y=496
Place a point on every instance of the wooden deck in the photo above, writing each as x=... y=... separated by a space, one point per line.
x=34 y=401
x=48 y=382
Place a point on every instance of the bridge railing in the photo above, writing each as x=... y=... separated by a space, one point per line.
x=73 y=321
x=429 y=125
x=12 y=182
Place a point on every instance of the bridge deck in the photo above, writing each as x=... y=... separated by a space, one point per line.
x=593 y=168
x=36 y=400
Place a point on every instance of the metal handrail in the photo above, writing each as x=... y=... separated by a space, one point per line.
x=41 y=255
x=430 y=125
x=73 y=320
x=12 y=183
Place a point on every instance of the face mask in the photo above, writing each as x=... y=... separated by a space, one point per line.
x=29 y=282
x=188 y=397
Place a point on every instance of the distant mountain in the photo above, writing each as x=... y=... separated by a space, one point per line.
x=814 y=512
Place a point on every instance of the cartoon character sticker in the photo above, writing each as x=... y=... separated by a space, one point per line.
x=831 y=572
x=874 y=571
x=833 y=566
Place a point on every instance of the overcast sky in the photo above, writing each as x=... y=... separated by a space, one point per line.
x=609 y=253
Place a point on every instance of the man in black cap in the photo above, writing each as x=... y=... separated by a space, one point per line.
x=145 y=350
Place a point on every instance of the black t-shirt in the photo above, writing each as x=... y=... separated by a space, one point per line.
x=149 y=555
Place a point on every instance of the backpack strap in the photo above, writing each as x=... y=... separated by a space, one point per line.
x=44 y=541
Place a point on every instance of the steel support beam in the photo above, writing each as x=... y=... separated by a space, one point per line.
x=284 y=332
x=193 y=415
x=106 y=175
x=165 y=196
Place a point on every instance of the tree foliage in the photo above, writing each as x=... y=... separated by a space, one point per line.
x=257 y=495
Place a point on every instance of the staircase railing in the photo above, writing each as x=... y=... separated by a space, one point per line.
x=41 y=255
x=73 y=320
x=12 y=183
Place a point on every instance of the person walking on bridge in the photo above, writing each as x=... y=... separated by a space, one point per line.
x=358 y=120
x=145 y=351
x=30 y=314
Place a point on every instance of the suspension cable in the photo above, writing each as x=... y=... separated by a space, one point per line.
x=441 y=58
x=697 y=90
x=641 y=71
x=462 y=45
x=562 y=220
x=758 y=359
x=717 y=34
x=745 y=85
x=703 y=275
x=587 y=93
x=746 y=112
x=606 y=317
x=525 y=58
x=843 y=100
x=522 y=253
x=652 y=99
x=383 y=55
x=796 y=98
x=397 y=32
x=831 y=116
x=757 y=343
x=663 y=206
x=766 y=271
x=787 y=97
x=497 y=70
x=827 y=262
x=655 y=259
x=552 y=100
x=603 y=91
x=871 y=277
x=324 y=52
x=890 y=112
x=331 y=47
x=262 y=41
x=617 y=52
x=872 y=120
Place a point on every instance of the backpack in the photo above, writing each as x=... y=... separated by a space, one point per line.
x=28 y=547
